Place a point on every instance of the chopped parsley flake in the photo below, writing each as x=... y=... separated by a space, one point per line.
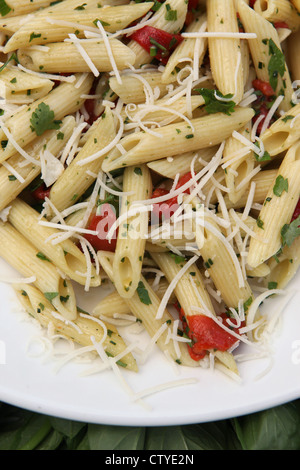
x=34 y=36
x=290 y=232
x=143 y=294
x=42 y=119
x=4 y=8
x=50 y=295
x=276 y=64
x=281 y=185
x=216 y=102
x=41 y=256
x=138 y=171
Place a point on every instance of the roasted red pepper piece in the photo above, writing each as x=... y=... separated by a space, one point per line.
x=263 y=102
x=280 y=24
x=206 y=334
x=296 y=212
x=263 y=111
x=157 y=42
x=102 y=224
x=262 y=86
x=165 y=210
x=41 y=192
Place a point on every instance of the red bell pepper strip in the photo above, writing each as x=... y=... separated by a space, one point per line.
x=206 y=334
x=281 y=24
x=262 y=111
x=264 y=87
x=296 y=212
x=41 y=192
x=158 y=43
x=165 y=210
x=102 y=224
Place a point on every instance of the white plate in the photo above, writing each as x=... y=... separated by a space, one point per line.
x=31 y=382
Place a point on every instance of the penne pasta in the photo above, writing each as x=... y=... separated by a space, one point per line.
x=131 y=240
x=73 y=182
x=181 y=164
x=80 y=330
x=66 y=256
x=263 y=48
x=190 y=51
x=237 y=170
x=53 y=59
x=149 y=173
x=136 y=87
x=24 y=257
x=284 y=266
x=23 y=88
x=11 y=186
x=141 y=148
x=277 y=209
x=146 y=311
x=54 y=105
x=283 y=133
x=55 y=25
x=277 y=11
x=115 y=304
x=293 y=50
x=225 y=54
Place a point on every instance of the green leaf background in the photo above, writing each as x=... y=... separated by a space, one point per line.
x=277 y=428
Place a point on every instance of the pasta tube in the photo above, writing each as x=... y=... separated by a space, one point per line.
x=283 y=133
x=225 y=55
x=11 y=186
x=65 y=255
x=41 y=115
x=21 y=87
x=276 y=11
x=161 y=20
x=190 y=50
x=263 y=49
x=277 y=210
x=25 y=258
x=132 y=233
x=64 y=57
x=172 y=139
x=47 y=27
x=80 y=330
x=75 y=180
x=144 y=304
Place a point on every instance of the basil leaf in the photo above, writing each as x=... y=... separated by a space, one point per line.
x=274 y=429
x=115 y=438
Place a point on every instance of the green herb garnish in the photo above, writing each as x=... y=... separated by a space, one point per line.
x=216 y=102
